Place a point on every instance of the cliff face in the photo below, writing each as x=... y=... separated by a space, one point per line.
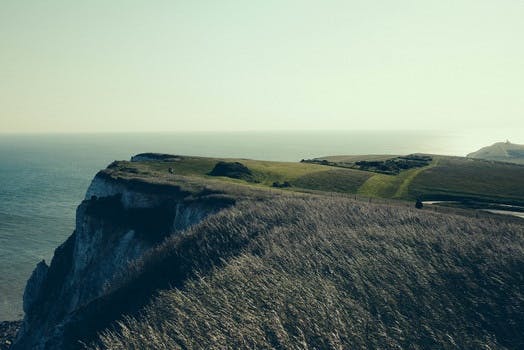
x=118 y=222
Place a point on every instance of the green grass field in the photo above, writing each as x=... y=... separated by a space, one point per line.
x=302 y=176
x=445 y=178
x=457 y=177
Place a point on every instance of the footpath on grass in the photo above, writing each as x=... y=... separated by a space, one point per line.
x=392 y=186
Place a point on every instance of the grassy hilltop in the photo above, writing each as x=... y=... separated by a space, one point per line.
x=246 y=254
x=438 y=178
x=287 y=270
x=501 y=151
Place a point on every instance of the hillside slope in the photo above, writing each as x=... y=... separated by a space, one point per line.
x=458 y=178
x=501 y=151
x=331 y=273
x=444 y=177
x=212 y=262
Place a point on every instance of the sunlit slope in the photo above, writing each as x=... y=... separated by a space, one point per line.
x=444 y=178
x=388 y=186
x=265 y=173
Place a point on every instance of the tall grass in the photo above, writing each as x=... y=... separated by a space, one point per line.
x=310 y=272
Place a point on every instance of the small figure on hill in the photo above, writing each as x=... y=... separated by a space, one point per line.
x=419 y=204
x=171 y=170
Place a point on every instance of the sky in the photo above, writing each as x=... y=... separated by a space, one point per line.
x=234 y=65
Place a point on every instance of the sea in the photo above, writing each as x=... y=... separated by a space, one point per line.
x=43 y=177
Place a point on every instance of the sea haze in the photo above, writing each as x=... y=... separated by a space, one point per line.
x=44 y=177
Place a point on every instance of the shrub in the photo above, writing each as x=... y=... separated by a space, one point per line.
x=233 y=170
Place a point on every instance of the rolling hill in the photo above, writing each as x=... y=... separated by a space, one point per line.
x=178 y=252
x=502 y=152
x=440 y=178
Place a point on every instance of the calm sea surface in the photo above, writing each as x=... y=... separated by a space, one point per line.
x=44 y=177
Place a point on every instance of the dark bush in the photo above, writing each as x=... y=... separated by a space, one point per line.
x=234 y=170
x=281 y=185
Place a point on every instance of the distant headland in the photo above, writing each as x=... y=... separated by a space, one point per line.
x=502 y=152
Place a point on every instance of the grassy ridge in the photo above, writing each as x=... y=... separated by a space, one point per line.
x=445 y=178
x=310 y=272
x=301 y=175
x=456 y=177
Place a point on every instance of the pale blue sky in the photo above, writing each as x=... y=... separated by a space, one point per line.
x=89 y=66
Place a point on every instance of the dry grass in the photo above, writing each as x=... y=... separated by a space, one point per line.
x=310 y=272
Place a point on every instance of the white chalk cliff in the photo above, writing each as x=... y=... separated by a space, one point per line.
x=118 y=222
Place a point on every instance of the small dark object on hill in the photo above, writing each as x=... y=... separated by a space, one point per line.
x=234 y=170
x=171 y=170
x=281 y=185
x=419 y=204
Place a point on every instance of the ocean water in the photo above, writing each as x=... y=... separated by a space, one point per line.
x=44 y=177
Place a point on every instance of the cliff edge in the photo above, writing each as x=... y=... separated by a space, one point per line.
x=160 y=259
x=123 y=215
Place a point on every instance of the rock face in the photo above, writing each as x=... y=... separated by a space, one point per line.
x=8 y=331
x=33 y=285
x=118 y=221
